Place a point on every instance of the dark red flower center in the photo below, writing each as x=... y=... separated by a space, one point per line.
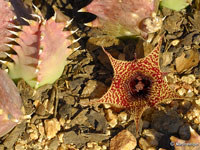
x=140 y=86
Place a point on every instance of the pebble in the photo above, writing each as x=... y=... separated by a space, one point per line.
x=60 y=137
x=93 y=146
x=167 y=58
x=53 y=145
x=181 y=91
x=194 y=114
x=185 y=105
x=189 y=93
x=196 y=91
x=41 y=131
x=198 y=101
x=152 y=137
x=175 y=42
x=33 y=132
x=174 y=105
x=145 y=124
x=40 y=110
x=121 y=56
x=67 y=147
x=19 y=146
x=92 y=86
x=122 y=117
x=184 y=132
x=188 y=79
x=143 y=143
x=166 y=122
x=111 y=118
x=34 y=135
x=52 y=126
x=62 y=122
x=124 y=140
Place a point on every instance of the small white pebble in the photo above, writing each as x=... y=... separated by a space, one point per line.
x=104 y=147
x=122 y=117
x=175 y=42
x=181 y=91
x=189 y=93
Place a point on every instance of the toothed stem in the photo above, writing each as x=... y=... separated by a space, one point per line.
x=39 y=47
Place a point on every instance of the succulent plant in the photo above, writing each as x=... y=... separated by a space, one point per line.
x=10 y=104
x=6 y=21
x=125 y=17
x=42 y=48
x=175 y=4
x=137 y=85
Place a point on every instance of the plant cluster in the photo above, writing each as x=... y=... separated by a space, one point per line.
x=42 y=47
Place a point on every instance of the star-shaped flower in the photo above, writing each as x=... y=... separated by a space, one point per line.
x=137 y=85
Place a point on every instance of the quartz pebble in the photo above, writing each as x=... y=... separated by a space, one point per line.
x=52 y=126
x=123 y=141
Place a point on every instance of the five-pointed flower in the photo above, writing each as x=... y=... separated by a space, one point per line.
x=137 y=85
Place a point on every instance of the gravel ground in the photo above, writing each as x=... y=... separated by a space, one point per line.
x=59 y=122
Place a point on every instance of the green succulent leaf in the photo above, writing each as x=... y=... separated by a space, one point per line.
x=175 y=4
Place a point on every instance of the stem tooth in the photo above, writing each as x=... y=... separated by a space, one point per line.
x=38 y=17
x=76 y=40
x=82 y=10
x=14 y=26
x=69 y=22
x=89 y=24
x=13 y=32
x=9 y=45
x=74 y=31
x=54 y=16
x=37 y=84
x=75 y=49
x=40 y=51
x=37 y=10
x=9 y=55
x=11 y=39
x=37 y=70
x=28 y=21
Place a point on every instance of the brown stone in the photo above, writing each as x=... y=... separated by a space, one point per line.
x=123 y=141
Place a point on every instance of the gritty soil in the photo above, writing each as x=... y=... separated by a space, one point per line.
x=59 y=122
